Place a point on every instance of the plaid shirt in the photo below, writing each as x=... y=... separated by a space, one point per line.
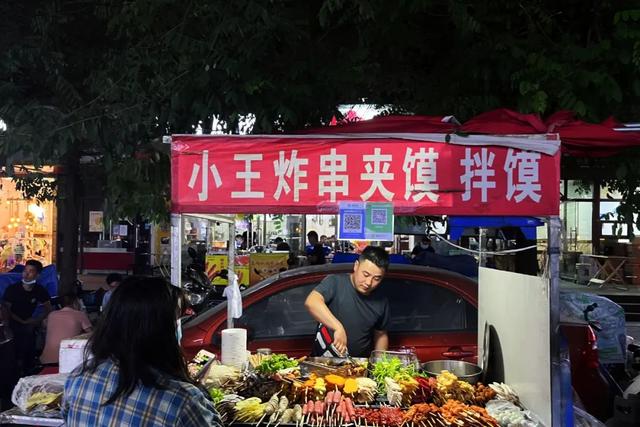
x=179 y=404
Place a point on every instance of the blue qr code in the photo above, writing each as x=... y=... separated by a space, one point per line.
x=378 y=216
x=352 y=223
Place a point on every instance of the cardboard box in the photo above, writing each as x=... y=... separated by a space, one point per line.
x=72 y=353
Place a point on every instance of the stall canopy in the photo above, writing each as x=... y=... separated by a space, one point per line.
x=413 y=162
x=578 y=138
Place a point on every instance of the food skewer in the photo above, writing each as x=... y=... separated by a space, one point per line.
x=328 y=399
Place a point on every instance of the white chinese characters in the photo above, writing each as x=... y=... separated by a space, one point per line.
x=328 y=174
x=203 y=194
x=424 y=164
x=333 y=178
x=285 y=168
x=247 y=175
x=377 y=170
x=477 y=173
x=527 y=182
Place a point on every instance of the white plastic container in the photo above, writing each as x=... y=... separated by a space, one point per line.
x=72 y=353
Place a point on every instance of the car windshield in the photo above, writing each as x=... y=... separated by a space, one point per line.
x=416 y=306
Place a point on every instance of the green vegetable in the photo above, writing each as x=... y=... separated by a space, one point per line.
x=275 y=363
x=393 y=368
x=216 y=395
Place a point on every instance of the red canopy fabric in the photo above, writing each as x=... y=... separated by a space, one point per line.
x=584 y=139
x=391 y=124
x=578 y=138
x=505 y=122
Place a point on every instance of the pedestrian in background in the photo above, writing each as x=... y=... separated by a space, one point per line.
x=113 y=280
x=22 y=299
x=314 y=250
x=68 y=322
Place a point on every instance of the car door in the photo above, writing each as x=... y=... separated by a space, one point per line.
x=280 y=321
x=435 y=320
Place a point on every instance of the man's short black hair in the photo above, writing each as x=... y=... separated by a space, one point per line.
x=69 y=298
x=376 y=255
x=278 y=240
x=312 y=234
x=35 y=263
x=114 y=277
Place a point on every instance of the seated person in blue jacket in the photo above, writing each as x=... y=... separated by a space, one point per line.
x=423 y=246
x=314 y=250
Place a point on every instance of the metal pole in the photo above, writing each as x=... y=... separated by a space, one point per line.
x=231 y=268
x=264 y=230
x=482 y=244
x=176 y=249
x=303 y=234
x=557 y=404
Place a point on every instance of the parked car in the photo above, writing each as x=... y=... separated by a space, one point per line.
x=434 y=311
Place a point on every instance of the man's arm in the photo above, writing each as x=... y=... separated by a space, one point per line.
x=86 y=323
x=47 y=309
x=12 y=314
x=318 y=309
x=380 y=340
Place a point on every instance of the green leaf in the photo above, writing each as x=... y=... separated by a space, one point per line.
x=621 y=171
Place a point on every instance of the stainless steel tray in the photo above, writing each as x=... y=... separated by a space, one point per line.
x=328 y=365
x=16 y=416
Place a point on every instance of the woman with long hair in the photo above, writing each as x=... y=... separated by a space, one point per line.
x=134 y=372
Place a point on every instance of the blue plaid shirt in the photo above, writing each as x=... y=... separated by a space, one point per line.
x=179 y=404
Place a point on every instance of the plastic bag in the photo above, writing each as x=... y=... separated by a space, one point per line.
x=29 y=387
x=234 y=298
x=509 y=415
x=634 y=388
x=612 y=338
x=584 y=419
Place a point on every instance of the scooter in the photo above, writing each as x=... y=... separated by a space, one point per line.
x=201 y=293
x=91 y=300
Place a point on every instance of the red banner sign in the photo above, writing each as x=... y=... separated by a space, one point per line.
x=301 y=175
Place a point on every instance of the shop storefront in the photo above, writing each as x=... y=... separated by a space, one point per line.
x=27 y=228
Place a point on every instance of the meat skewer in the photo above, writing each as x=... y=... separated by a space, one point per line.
x=310 y=408
x=327 y=401
x=305 y=411
x=337 y=398
x=318 y=410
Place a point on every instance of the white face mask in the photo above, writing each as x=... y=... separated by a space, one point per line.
x=29 y=282
x=179 y=331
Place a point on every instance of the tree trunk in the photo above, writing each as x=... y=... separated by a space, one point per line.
x=68 y=214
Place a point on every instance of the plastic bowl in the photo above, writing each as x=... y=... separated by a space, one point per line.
x=465 y=371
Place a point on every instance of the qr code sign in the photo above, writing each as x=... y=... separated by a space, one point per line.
x=378 y=216
x=352 y=223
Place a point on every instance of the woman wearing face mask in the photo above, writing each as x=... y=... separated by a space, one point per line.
x=137 y=374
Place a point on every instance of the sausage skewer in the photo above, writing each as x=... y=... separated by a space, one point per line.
x=327 y=401
x=318 y=409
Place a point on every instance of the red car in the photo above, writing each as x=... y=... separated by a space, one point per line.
x=432 y=310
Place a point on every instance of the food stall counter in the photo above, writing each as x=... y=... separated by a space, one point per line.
x=106 y=260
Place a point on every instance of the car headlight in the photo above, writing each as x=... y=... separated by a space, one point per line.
x=194 y=299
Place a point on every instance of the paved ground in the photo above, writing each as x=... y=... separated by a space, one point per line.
x=633 y=329
x=92 y=282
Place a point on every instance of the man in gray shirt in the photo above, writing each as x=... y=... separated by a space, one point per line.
x=352 y=315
